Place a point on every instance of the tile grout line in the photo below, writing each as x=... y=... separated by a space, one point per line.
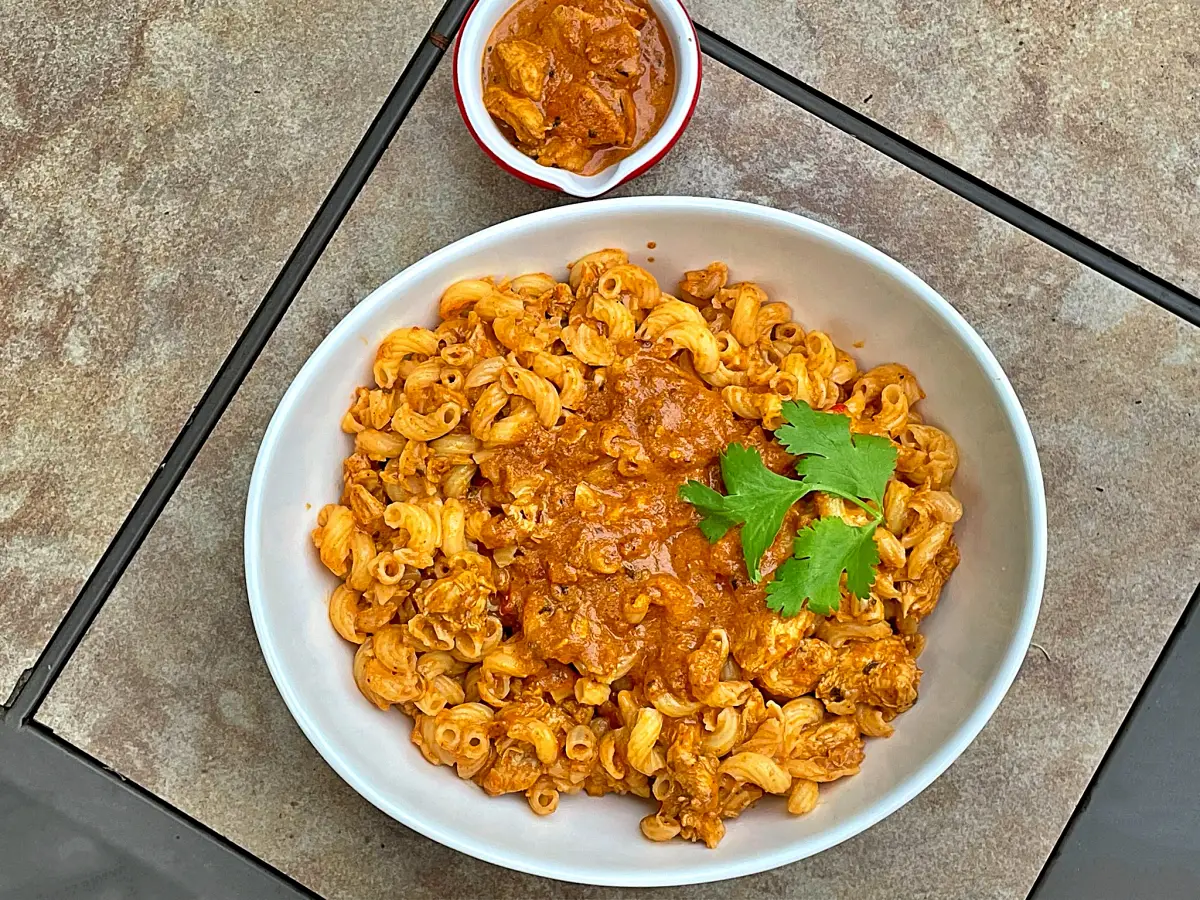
x=35 y=683
x=958 y=181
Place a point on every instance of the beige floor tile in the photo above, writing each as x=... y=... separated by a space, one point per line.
x=1089 y=112
x=158 y=161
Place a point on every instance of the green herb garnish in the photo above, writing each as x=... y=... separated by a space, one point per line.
x=855 y=467
x=813 y=576
x=757 y=499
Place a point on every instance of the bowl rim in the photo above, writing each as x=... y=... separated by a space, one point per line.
x=717 y=870
x=688 y=60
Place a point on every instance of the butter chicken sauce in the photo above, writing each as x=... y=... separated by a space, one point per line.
x=578 y=85
x=573 y=614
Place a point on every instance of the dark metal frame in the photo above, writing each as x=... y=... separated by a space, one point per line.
x=40 y=762
x=1114 y=769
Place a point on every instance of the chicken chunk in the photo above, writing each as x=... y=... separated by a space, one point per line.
x=594 y=119
x=564 y=153
x=694 y=773
x=919 y=598
x=516 y=769
x=569 y=26
x=827 y=752
x=525 y=66
x=635 y=15
x=520 y=113
x=694 y=800
x=703 y=284
x=761 y=638
x=878 y=673
x=800 y=670
x=615 y=52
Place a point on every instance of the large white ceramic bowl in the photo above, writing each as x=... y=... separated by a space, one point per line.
x=977 y=638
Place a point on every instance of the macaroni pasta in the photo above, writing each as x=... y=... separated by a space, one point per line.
x=520 y=577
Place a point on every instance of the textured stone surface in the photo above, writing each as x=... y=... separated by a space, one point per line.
x=170 y=688
x=1088 y=111
x=158 y=161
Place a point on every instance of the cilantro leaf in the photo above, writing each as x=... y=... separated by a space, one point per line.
x=861 y=475
x=856 y=467
x=756 y=498
x=714 y=521
x=824 y=550
x=809 y=430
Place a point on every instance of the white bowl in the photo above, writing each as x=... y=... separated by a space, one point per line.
x=468 y=88
x=977 y=638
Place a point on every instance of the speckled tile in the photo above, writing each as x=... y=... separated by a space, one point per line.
x=1088 y=111
x=170 y=688
x=158 y=161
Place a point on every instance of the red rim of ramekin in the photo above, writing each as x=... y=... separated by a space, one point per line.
x=537 y=182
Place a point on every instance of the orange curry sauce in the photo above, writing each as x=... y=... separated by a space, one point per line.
x=578 y=85
x=569 y=612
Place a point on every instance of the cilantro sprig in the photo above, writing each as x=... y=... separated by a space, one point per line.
x=757 y=499
x=855 y=467
x=823 y=551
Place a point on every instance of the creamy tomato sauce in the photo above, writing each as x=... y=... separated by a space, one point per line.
x=578 y=85
x=638 y=528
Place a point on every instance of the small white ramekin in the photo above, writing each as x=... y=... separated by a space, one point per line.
x=468 y=88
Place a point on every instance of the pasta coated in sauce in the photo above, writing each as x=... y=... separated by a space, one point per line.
x=521 y=578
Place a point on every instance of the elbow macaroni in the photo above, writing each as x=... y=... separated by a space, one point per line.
x=517 y=678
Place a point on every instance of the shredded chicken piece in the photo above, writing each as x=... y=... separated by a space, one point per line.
x=800 y=670
x=635 y=15
x=703 y=284
x=570 y=25
x=596 y=119
x=919 y=598
x=827 y=752
x=615 y=52
x=878 y=673
x=760 y=638
x=564 y=153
